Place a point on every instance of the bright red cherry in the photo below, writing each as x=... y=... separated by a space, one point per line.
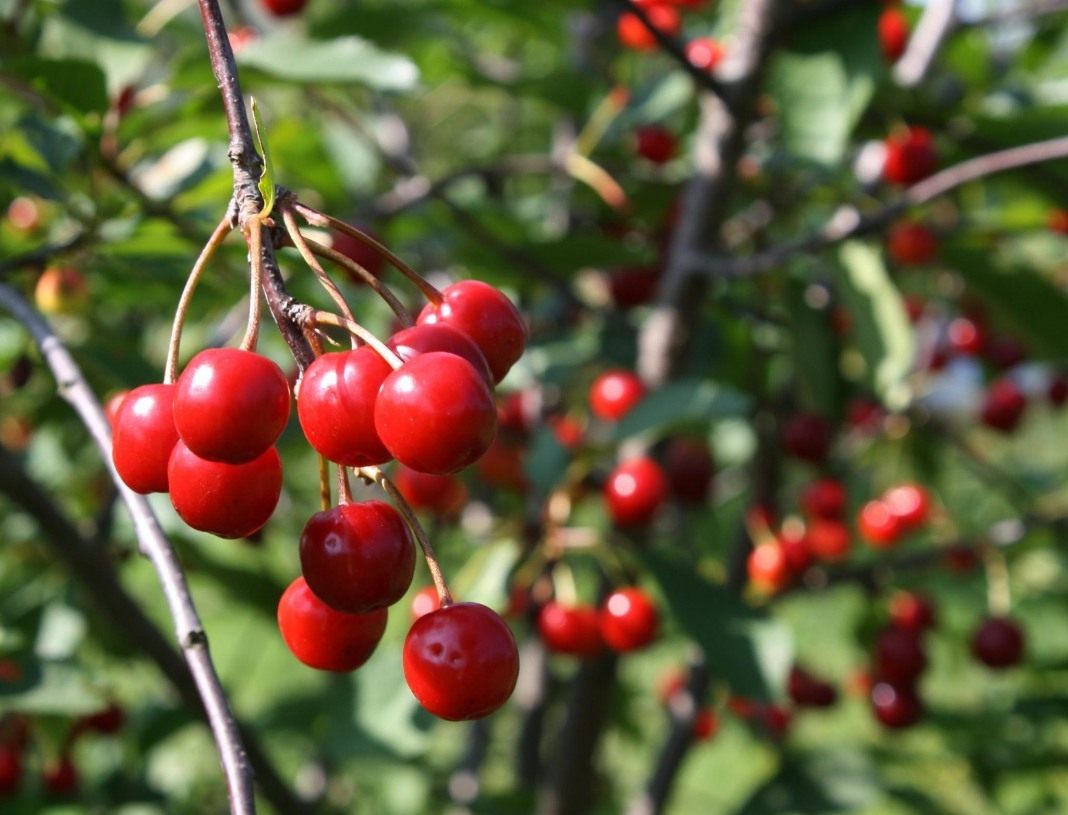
x=10 y=769
x=425 y=601
x=357 y=557
x=893 y=33
x=336 y=406
x=1003 y=405
x=705 y=725
x=614 y=393
x=484 y=314
x=655 y=144
x=461 y=661
x=228 y=500
x=999 y=643
x=324 y=638
x=824 y=498
x=436 y=414
x=359 y=252
x=805 y=690
x=635 y=490
x=911 y=612
x=829 y=540
x=629 y=620
x=899 y=656
x=444 y=495
x=896 y=707
x=910 y=504
x=419 y=339
x=910 y=156
x=767 y=567
x=689 y=468
x=634 y=35
x=60 y=778
x=910 y=243
x=704 y=53
x=574 y=630
x=143 y=438
x=230 y=405
x=878 y=525
x=808 y=437
x=284 y=8
x=965 y=337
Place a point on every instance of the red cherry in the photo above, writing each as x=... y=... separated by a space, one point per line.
x=1058 y=221
x=144 y=436
x=444 y=495
x=656 y=144
x=107 y=721
x=112 y=405
x=965 y=337
x=899 y=656
x=629 y=620
x=829 y=540
x=419 y=339
x=634 y=35
x=241 y=37
x=614 y=393
x=230 y=405
x=893 y=33
x=704 y=53
x=878 y=525
x=705 y=725
x=910 y=504
x=60 y=778
x=805 y=690
x=796 y=548
x=484 y=314
x=425 y=601
x=808 y=437
x=767 y=567
x=324 y=638
x=10 y=769
x=689 y=469
x=911 y=612
x=633 y=285
x=284 y=8
x=776 y=720
x=895 y=707
x=359 y=252
x=825 y=498
x=910 y=156
x=568 y=431
x=461 y=661
x=635 y=490
x=1003 y=406
x=864 y=415
x=513 y=416
x=436 y=414
x=910 y=243
x=999 y=643
x=336 y=406
x=1058 y=390
x=357 y=557
x=571 y=630
x=502 y=466
x=228 y=500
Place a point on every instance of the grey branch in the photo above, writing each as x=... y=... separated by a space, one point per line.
x=937 y=21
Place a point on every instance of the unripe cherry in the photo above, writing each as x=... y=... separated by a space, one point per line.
x=143 y=437
x=324 y=638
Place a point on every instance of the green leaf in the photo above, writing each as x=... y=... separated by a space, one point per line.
x=75 y=84
x=815 y=352
x=49 y=688
x=546 y=462
x=61 y=631
x=266 y=183
x=880 y=323
x=681 y=403
x=750 y=651
x=341 y=60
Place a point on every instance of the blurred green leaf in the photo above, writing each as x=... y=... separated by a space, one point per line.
x=289 y=56
x=75 y=84
x=681 y=403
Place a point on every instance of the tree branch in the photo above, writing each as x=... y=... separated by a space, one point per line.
x=938 y=20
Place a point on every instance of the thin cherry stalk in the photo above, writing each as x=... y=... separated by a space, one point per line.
x=316 y=317
x=255 y=243
x=376 y=285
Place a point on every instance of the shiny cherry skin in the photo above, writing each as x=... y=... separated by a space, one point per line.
x=228 y=500
x=10 y=769
x=910 y=243
x=629 y=620
x=484 y=314
x=1003 y=406
x=635 y=491
x=60 y=778
x=444 y=495
x=436 y=414
x=966 y=337
x=899 y=656
x=655 y=144
x=357 y=557
x=911 y=612
x=336 y=406
x=894 y=706
x=910 y=504
x=633 y=34
x=829 y=540
x=112 y=405
x=768 y=568
x=704 y=53
x=419 y=339
x=324 y=638
x=614 y=393
x=424 y=601
x=284 y=8
x=461 y=661
x=143 y=437
x=910 y=156
x=893 y=33
x=808 y=437
x=999 y=643
x=689 y=468
x=878 y=525
x=824 y=498
x=805 y=690
x=574 y=630
x=231 y=405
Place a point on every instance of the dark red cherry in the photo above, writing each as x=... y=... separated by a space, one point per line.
x=461 y=661
x=629 y=620
x=878 y=525
x=230 y=405
x=910 y=504
x=910 y=243
x=793 y=540
x=1058 y=390
x=655 y=144
x=424 y=601
x=614 y=393
x=805 y=690
x=107 y=721
x=829 y=540
x=910 y=156
x=705 y=725
x=633 y=285
x=228 y=500
x=60 y=778
x=359 y=252
x=808 y=437
x=444 y=495
x=635 y=491
x=284 y=8
x=999 y=643
x=1003 y=406
x=484 y=314
x=143 y=438
x=10 y=769
x=689 y=468
x=325 y=638
x=899 y=656
x=574 y=630
x=911 y=612
x=436 y=414
x=824 y=498
x=419 y=339
x=336 y=406
x=357 y=557
x=895 y=706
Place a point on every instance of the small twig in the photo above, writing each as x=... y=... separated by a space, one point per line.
x=315 y=317
x=935 y=25
x=345 y=262
x=255 y=244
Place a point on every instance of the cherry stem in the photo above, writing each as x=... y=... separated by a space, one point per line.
x=376 y=475
x=214 y=242
x=316 y=218
x=255 y=243
x=309 y=257
x=564 y=586
x=316 y=317
x=379 y=288
x=998 y=593
x=325 y=501
x=344 y=491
